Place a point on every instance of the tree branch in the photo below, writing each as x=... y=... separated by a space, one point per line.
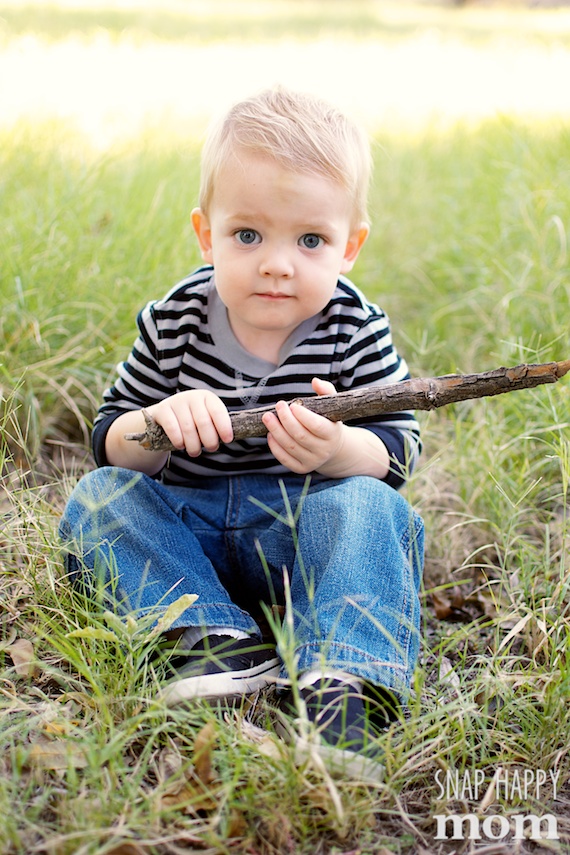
x=420 y=393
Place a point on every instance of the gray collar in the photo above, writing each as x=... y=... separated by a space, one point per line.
x=231 y=351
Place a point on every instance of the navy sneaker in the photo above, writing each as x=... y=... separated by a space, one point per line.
x=332 y=726
x=219 y=667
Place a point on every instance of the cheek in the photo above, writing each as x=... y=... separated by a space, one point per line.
x=231 y=283
x=320 y=297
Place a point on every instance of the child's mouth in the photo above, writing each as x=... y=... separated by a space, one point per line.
x=270 y=295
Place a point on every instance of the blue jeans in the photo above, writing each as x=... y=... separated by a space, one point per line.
x=345 y=555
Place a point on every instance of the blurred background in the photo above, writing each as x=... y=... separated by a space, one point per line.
x=112 y=69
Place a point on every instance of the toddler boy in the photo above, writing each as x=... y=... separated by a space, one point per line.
x=268 y=318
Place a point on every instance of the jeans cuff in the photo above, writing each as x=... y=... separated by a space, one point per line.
x=216 y=615
x=359 y=663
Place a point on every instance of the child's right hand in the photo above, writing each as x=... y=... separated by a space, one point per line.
x=194 y=420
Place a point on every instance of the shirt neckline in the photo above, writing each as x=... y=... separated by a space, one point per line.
x=230 y=349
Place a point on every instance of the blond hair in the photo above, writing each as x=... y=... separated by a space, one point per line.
x=301 y=132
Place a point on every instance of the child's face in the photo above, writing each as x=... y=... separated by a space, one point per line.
x=278 y=241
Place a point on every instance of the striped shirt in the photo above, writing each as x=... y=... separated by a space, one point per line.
x=186 y=342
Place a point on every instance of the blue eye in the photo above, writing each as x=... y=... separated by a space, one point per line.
x=311 y=241
x=247 y=236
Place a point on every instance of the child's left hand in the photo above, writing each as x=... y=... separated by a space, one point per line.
x=301 y=440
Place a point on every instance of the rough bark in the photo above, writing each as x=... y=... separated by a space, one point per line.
x=421 y=393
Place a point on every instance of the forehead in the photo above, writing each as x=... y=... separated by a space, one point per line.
x=248 y=180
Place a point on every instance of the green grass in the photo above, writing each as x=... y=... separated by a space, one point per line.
x=469 y=256
x=84 y=242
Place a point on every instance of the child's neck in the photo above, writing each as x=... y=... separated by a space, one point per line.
x=265 y=344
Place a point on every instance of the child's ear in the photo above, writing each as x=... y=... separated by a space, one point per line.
x=354 y=245
x=201 y=226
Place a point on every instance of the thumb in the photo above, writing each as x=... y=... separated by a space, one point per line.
x=322 y=387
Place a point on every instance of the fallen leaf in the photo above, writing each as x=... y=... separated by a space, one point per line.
x=168 y=764
x=237 y=826
x=457 y=598
x=490 y=598
x=447 y=673
x=22 y=655
x=127 y=849
x=277 y=829
x=54 y=754
x=265 y=742
x=489 y=796
x=203 y=750
x=449 y=606
x=193 y=789
x=441 y=607
x=57 y=728
x=189 y=797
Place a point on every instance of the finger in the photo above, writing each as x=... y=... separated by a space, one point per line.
x=313 y=424
x=282 y=444
x=166 y=418
x=277 y=422
x=187 y=425
x=192 y=440
x=220 y=418
x=207 y=433
x=285 y=458
x=292 y=431
x=322 y=387
x=301 y=431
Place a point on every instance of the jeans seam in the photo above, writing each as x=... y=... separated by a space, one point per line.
x=404 y=632
x=407 y=631
x=232 y=513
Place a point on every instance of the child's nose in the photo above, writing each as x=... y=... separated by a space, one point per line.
x=277 y=264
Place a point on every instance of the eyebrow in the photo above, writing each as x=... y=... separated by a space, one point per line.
x=307 y=228
x=245 y=216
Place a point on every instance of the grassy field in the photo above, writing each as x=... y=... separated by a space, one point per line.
x=469 y=257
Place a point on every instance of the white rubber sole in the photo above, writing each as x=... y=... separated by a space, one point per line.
x=227 y=685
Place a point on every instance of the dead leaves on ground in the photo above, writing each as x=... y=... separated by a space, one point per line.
x=470 y=600
x=449 y=604
x=21 y=652
x=55 y=755
x=190 y=788
x=522 y=629
x=193 y=787
x=50 y=733
x=128 y=849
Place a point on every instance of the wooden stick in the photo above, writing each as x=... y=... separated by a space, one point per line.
x=420 y=393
